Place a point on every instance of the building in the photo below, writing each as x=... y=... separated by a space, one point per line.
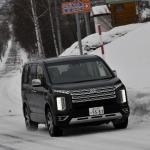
x=102 y=16
x=123 y=11
x=98 y=2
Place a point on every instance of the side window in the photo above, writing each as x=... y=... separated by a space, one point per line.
x=103 y=70
x=40 y=74
x=32 y=72
x=25 y=74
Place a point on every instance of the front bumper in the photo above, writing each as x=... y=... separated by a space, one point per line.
x=101 y=118
x=79 y=114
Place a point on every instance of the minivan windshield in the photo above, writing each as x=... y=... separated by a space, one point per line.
x=80 y=71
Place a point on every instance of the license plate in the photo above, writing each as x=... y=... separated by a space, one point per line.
x=95 y=111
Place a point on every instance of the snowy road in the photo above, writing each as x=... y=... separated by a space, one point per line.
x=13 y=136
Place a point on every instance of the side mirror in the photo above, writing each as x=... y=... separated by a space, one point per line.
x=115 y=72
x=36 y=82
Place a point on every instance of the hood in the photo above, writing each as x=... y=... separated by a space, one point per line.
x=88 y=84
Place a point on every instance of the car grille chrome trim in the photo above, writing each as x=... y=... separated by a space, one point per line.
x=95 y=118
x=93 y=94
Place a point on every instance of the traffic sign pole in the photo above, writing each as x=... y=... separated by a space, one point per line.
x=79 y=33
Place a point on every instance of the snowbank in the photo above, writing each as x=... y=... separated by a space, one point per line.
x=10 y=95
x=127 y=52
x=6 y=53
x=139 y=105
x=129 y=55
x=93 y=41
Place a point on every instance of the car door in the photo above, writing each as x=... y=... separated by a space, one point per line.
x=32 y=92
x=26 y=89
x=40 y=93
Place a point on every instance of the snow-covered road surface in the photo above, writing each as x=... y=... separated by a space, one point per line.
x=13 y=136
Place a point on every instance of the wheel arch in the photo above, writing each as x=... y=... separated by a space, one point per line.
x=47 y=106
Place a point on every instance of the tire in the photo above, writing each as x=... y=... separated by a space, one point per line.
x=52 y=129
x=30 y=125
x=121 y=124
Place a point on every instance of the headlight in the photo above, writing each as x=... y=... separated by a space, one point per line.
x=61 y=103
x=123 y=96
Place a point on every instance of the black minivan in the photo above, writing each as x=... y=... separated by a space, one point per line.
x=74 y=90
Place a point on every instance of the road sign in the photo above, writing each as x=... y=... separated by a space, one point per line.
x=76 y=7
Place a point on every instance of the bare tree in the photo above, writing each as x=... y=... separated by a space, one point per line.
x=52 y=27
x=37 y=29
x=58 y=27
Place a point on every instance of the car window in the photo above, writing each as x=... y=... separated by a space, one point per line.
x=40 y=74
x=25 y=74
x=32 y=72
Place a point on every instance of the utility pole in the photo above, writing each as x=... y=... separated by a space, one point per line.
x=58 y=27
x=52 y=27
x=87 y=24
x=79 y=33
x=37 y=30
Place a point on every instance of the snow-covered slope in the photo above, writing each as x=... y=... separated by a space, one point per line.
x=128 y=54
x=93 y=40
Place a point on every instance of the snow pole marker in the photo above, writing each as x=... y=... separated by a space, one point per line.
x=101 y=41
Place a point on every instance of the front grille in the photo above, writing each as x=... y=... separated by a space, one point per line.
x=93 y=94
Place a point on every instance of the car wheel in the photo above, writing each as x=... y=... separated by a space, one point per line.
x=52 y=129
x=30 y=125
x=121 y=124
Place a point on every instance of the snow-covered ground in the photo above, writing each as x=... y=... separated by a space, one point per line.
x=93 y=41
x=127 y=54
x=6 y=54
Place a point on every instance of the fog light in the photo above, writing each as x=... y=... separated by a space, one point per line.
x=123 y=96
x=61 y=103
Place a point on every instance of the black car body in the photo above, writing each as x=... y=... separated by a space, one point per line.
x=74 y=90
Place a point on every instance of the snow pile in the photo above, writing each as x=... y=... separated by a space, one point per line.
x=129 y=55
x=139 y=105
x=92 y=42
x=145 y=14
